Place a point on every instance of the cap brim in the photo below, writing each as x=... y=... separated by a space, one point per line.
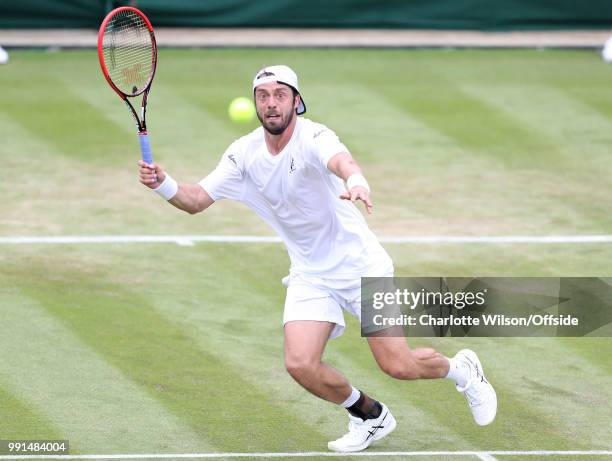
x=301 y=108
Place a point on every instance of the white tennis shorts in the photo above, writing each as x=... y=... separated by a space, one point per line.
x=323 y=299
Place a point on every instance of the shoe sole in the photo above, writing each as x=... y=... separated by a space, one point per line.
x=472 y=357
x=377 y=436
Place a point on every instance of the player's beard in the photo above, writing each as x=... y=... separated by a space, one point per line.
x=280 y=128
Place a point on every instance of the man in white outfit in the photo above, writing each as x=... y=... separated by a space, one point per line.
x=292 y=173
x=4 y=56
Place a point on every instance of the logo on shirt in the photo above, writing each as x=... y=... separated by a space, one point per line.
x=318 y=133
x=233 y=159
x=292 y=165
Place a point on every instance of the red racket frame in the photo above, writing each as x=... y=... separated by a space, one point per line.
x=141 y=124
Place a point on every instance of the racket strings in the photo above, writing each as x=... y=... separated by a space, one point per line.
x=128 y=52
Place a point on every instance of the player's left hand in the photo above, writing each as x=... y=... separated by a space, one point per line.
x=358 y=193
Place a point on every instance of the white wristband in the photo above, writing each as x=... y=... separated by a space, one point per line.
x=168 y=188
x=357 y=180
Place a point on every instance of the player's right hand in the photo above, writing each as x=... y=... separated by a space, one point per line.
x=151 y=174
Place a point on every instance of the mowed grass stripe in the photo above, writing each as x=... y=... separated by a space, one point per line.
x=18 y=151
x=555 y=113
x=582 y=137
x=53 y=190
x=534 y=186
x=80 y=73
x=459 y=178
x=374 y=128
x=119 y=323
x=21 y=420
x=445 y=187
x=501 y=260
x=476 y=126
x=581 y=134
x=592 y=96
x=62 y=195
x=548 y=391
x=48 y=103
x=588 y=68
x=442 y=175
x=591 y=349
x=563 y=384
x=90 y=402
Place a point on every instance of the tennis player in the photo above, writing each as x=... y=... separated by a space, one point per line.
x=292 y=172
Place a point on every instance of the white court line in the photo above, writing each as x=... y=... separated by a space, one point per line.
x=478 y=454
x=486 y=457
x=188 y=240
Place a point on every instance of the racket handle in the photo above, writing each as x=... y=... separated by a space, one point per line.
x=145 y=147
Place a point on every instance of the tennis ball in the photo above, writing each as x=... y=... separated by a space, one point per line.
x=241 y=110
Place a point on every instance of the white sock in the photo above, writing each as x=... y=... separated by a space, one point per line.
x=458 y=371
x=350 y=401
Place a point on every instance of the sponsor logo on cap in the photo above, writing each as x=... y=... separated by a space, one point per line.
x=265 y=74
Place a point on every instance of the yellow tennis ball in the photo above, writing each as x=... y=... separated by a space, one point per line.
x=241 y=110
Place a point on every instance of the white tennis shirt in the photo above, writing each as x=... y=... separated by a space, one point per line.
x=297 y=196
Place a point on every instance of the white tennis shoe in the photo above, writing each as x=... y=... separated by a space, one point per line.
x=478 y=391
x=362 y=433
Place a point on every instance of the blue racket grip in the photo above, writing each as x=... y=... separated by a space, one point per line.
x=145 y=147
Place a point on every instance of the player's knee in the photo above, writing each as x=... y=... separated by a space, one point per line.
x=299 y=368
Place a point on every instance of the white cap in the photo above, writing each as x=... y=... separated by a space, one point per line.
x=280 y=74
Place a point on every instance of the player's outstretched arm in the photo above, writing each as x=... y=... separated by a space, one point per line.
x=344 y=166
x=187 y=197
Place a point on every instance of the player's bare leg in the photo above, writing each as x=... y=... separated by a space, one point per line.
x=305 y=342
x=397 y=360
x=371 y=420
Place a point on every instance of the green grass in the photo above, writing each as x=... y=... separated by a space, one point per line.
x=160 y=348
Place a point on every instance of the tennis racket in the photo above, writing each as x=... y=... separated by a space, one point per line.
x=128 y=57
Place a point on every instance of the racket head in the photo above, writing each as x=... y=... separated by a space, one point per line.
x=127 y=51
